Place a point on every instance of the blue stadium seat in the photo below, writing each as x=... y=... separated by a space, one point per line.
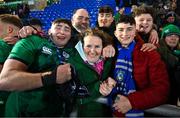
x=64 y=9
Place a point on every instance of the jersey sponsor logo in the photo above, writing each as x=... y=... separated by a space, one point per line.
x=46 y=50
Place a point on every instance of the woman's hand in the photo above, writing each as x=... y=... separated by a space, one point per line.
x=108 y=51
x=107 y=86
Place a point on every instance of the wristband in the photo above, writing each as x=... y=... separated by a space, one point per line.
x=49 y=78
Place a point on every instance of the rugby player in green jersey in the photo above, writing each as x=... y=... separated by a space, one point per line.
x=9 y=27
x=32 y=71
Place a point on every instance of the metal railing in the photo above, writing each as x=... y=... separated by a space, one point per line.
x=165 y=110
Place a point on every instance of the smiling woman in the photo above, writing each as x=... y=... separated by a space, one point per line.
x=91 y=70
x=92 y=48
x=169 y=46
x=93 y=43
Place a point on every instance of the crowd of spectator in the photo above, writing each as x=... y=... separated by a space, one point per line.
x=120 y=68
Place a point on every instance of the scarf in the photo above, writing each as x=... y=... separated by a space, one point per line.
x=62 y=55
x=123 y=74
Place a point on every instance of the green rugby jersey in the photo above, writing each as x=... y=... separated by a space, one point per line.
x=5 y=49
x=39 y=55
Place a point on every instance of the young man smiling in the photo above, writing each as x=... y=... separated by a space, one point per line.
x=142 y=80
